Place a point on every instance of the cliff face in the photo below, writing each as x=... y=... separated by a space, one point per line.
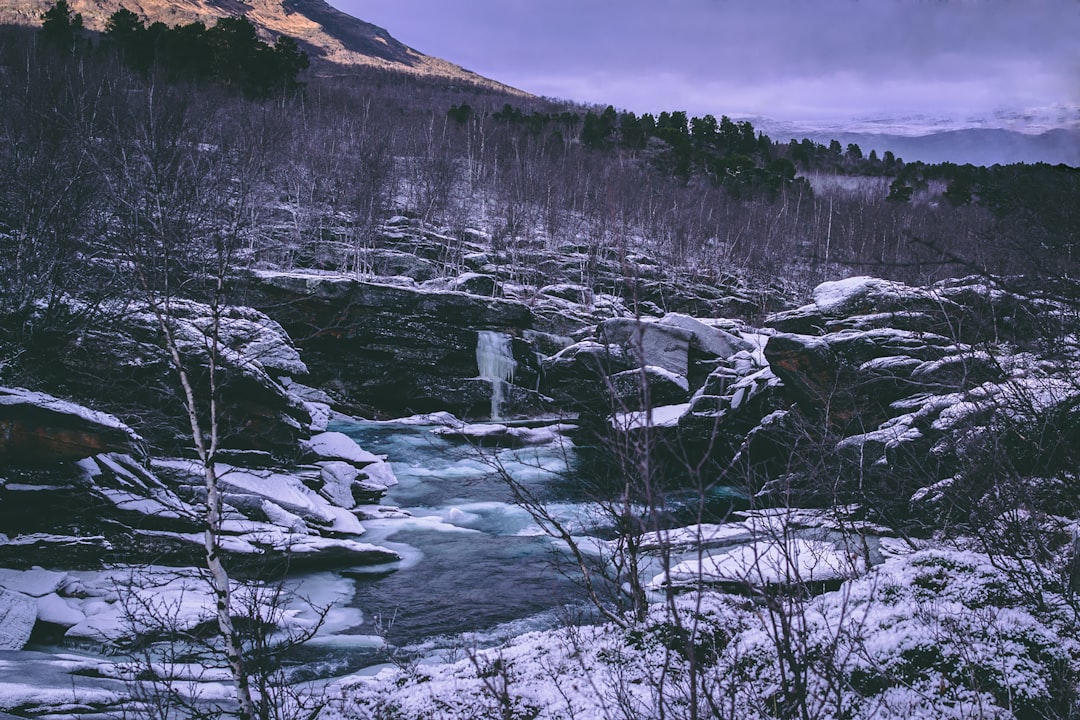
x=331 y=37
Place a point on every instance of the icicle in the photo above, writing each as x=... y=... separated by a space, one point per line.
x=495 y=359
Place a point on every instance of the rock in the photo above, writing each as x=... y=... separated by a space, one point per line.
x=806 y=365
x=18 y=613
x=788 y=562
x=495 y=435
x=706 y=340
x=380 y=473
x=385 y=262
x=338 y=479
x=574 y=377
x=339 y=446
x=54 y=609
x=119 y=364
x=281 y=517
x=649 y=343
x=476 y=284
x=40 y=429
x=387 y=349
x=35 y=582
x=627 y=388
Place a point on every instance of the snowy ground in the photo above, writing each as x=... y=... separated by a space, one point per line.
x=933 y=634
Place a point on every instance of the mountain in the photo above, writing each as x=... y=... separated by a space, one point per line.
x=977 y=146
x=1051 y=140
x=333 y=39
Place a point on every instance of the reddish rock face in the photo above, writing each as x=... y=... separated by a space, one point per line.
x=33 y=443
x=38 y=430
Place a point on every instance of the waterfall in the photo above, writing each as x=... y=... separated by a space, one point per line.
x=495 y=359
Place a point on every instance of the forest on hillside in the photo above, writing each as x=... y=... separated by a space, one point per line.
x=127 y=128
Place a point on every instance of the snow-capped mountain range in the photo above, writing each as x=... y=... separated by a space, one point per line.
x=1048 y=134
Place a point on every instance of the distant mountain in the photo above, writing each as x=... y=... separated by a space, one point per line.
x=332 y=38
x=975 y=146
x=935 y=140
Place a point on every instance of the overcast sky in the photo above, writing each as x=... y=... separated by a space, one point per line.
x=793 y=60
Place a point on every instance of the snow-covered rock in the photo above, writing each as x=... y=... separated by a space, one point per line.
x=56 y=610
x=705 y=339
x=649 y=343
x=41 y=429
x=18 y=613
x=495 y=434
x=783 y=561
x=339 y=446
x=35 y=582
x=338 y=478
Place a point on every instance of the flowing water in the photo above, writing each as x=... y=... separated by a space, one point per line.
x=472 y=561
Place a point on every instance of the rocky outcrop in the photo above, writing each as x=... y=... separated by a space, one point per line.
x=118 y=363
x=39 y=429
x=941 y=395
x=395 y=350
x=672 y=356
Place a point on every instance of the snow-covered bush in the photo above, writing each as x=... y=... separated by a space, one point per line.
x=938 y=634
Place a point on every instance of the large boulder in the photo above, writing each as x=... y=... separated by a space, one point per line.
x=119 y=363
x=706 y=340
x=649 y=343
x=40 y=429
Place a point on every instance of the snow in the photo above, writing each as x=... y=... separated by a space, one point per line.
x=711 y=340
x=694 y=536
x=768 y=562
x=380 y=473
x=18 y=613
x=35 y=582
x=54 y=609
x=836 y=295
x=338 y=478
x=320 y=415
x=662 y=416
x=339 y=446
x=672 y=377
x=934 y=634
x=494 y=431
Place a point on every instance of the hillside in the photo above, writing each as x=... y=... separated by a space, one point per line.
x=334 y=40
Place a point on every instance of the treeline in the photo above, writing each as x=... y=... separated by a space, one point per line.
x=1035 y=199
x=727 y=154
x=229 y=52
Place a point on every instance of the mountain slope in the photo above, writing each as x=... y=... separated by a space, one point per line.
x=327 y=34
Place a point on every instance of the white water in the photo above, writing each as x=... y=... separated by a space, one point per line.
x=495 y=359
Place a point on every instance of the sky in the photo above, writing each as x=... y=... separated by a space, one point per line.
x=817 y=63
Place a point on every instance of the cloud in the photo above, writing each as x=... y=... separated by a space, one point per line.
x=779 y=57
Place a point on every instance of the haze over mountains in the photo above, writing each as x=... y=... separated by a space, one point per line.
x=1050 y=136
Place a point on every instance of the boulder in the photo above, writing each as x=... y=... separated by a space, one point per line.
x=119 y=364
x=35 y=582
x=649 y=343
x=476 y=284
x=627 y=388
x=705 y=340
x=40 y=429
x=339 y=446
x=338 y=479
x=574 y=376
